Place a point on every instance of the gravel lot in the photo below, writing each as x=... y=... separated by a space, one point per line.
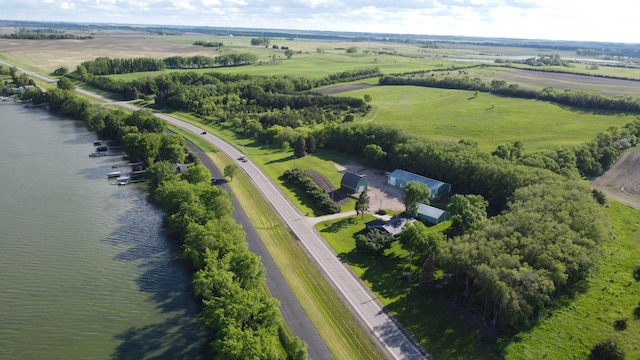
x=382 y=195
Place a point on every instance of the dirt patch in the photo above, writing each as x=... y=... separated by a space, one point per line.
x=381 y=194
x=343 y=88
x=327 y=186
x=622 y=181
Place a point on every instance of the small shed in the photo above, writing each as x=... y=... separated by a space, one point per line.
x=431 y=214
x=353 y=183
x=399 y=178
x=180 y=168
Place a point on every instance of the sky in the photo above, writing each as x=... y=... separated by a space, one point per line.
x=583 y=20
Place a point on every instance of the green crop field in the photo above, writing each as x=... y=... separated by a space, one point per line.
x=487 y=119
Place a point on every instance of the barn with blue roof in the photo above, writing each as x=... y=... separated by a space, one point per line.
x=399 y=178
x=431 y=214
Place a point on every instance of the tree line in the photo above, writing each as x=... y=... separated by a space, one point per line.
x=208 y=43
x=302 y=180
x=244 y=320
x=109 y=66
x=43 y=34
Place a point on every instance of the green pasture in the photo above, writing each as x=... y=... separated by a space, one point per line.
x=613 y=294
x=426 y=316
x=487 y=119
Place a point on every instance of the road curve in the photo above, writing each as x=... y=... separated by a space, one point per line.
x=397 y=344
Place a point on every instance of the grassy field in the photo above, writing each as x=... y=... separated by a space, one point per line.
x=487 y=119
x=528 y=78
x=341 y=331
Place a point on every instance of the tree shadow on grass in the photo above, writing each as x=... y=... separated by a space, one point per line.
x=442 y=331
x=384 y=273
x=281 y=160
x=340 y=224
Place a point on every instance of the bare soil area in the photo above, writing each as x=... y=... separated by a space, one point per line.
x=622 y=181
x=381 y=194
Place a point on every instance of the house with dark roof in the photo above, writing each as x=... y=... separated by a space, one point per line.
x=399 y=178
x=180 y=168
x=393 y=226
x=431 y=214
x=353 y=183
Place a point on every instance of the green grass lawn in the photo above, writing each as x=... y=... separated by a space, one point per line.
x=487 y=119
x=313 y=66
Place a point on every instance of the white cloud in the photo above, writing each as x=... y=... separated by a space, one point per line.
x=613 y=20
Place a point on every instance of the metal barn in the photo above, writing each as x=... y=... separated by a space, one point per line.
x=399 y=178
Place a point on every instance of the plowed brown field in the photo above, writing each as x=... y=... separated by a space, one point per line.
x=622 y=181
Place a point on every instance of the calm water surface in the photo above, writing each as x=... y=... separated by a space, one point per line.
x=85 y=270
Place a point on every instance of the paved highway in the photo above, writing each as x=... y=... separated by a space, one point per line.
x=396 y=343
x=292 y=311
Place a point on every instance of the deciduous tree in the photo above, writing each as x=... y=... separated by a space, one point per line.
x=230 y=170
x=362 y=204
x=415 y=193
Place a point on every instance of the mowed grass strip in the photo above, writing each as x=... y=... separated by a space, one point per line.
x=613 y=293
x=340 y=330
x=487 y=119
x=437 y=326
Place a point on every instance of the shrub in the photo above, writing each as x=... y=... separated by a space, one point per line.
x=302 y=180
x=608 y=349
x=636 y=311
x=620 y=324
x=636 y=273
x=374 y=242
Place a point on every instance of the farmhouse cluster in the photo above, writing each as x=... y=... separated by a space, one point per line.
x=352 y=183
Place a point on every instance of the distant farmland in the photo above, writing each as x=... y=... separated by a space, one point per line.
x=487 y=119
x=539 y=80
